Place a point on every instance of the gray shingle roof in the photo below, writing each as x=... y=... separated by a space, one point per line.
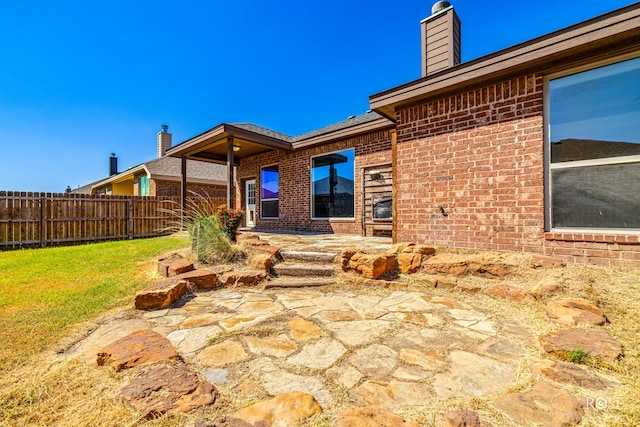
x=369 y=116
x=171 y=166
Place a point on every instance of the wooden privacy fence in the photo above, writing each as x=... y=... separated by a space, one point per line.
x=48 y=219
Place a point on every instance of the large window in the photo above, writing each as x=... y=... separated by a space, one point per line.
x=332 y=186
x=269 y=191
x=594 y=148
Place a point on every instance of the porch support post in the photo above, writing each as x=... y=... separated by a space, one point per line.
x=230 y=180
x=183 y=190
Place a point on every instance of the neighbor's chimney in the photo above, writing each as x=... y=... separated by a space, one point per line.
x=440 y=39
x=164 y=141
x=113 y=165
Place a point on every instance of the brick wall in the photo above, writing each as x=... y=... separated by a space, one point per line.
x=295 y=181
x=172 y=189
x=470 y=174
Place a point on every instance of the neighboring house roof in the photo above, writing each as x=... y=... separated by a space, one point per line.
x=85 y=189
x=169 y=168
x=609 y=35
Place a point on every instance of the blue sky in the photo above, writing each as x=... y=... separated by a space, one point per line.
x=80 y=80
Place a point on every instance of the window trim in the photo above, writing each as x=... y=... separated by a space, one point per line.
x=548 y=166
x=332 y=218
x=269 y=200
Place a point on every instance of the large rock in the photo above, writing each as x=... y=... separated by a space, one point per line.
x=371 y=266
x=544 y=405
x=487 y=265
x=596 y=342
x=242 y=278
x=572 y=312
x=168 y=390
x=201 y=278
x=139 y=347
x=546 y=287
x=409 y=262
x=371 y=416
x=567 y=373
x=457 y=265
x=506 y=291
x=285 y=410
x=161 y=295
x=179 y=266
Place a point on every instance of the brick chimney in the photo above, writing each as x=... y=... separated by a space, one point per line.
x=440 y=39
x=164 y=141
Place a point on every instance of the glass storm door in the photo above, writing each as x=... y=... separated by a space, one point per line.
x=250 y=202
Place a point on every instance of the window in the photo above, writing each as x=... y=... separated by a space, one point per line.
x=143 y=186
x=332 y=186
x=594 y=148
x=269 y=191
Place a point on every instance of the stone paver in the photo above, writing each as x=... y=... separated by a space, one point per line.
x=387 y=353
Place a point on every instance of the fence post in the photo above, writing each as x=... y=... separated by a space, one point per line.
x=43 y=222
x=130 y=217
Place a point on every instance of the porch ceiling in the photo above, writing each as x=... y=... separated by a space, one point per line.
x=211 y=146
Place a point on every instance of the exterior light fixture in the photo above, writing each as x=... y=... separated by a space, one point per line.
x=236 y=147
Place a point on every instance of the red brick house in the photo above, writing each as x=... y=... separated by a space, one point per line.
x=533 y=148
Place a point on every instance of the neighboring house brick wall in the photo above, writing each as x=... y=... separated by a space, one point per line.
x=479 y=155
x=295 y=182
x=172 y=189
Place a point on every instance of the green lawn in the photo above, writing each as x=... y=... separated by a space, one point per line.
x=43 y=292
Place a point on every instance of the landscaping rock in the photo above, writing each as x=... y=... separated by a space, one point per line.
x=168 y=390
x=457 y=265
x=261 y=262
x=371 y=266
x=280 y=346
x=596 y=342
x=572 y=312
x=161 y=295
x=544 y=405
x=240 y=278
x=544 y=261
x=506 y=291
x=409 y=262
x=468 y=287
x=545 y=288
x=371 y=416
x=287 y=409
x=320 y=355
x=492 y=265
x=139 y=347
x=201 y=278
x=179 y=266
x=419 y=249
x=567 y=373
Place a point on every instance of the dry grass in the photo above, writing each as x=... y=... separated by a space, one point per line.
x=52 y=391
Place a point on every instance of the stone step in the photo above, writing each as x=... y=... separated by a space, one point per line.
x=308 y=256
x=298 y=283
x=302 y=270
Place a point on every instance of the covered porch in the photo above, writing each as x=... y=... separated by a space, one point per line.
x=227 y=144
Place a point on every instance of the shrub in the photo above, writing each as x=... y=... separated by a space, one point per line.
x=208 y=240
x=230 y=220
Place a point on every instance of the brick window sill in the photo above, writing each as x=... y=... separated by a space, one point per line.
x=620 y=239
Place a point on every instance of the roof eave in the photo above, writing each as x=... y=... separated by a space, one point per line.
x=352 y=131
x=224 y=130
x=608 y=33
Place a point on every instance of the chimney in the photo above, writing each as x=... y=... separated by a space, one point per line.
x=440 y=39
x=113 y=165
x=164 y=141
